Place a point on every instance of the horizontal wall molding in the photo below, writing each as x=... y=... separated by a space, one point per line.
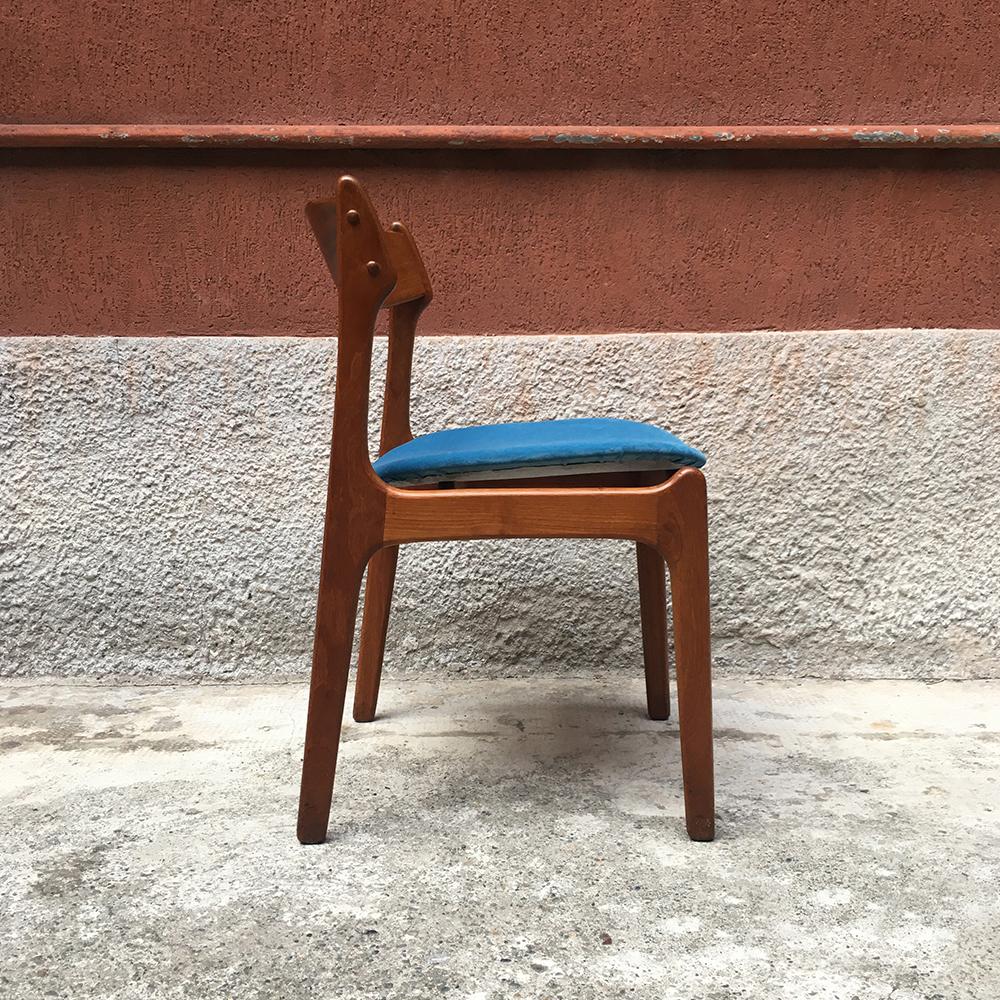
x=503 y=136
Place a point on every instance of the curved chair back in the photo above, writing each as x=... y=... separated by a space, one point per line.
x=373 y=268
x=412 y=281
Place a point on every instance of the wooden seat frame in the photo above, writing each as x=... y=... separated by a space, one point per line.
x=366 y=521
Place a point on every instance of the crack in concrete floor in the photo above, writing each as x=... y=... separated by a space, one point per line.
x=501 y=839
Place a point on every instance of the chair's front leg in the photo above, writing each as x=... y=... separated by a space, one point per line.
x=374 y=625
x=337 y=608
x=686 y=553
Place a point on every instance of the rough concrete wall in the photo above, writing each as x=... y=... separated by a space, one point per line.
x=193 y=242
x=162 y=502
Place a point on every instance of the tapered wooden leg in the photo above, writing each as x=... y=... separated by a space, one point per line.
x=688 y=563
x=653 y=610
x=339 y=588
x=374 y=625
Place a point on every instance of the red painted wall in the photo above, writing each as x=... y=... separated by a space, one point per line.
x=563 y=61
x=199 y=241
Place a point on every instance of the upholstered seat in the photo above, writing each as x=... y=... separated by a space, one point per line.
x=538 y=448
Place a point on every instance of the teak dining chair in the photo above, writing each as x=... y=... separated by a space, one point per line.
x=597 y=478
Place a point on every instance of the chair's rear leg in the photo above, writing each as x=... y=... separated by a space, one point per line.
x=653 y=611
x=337 y=608
x=374 y=625
x=688 y=562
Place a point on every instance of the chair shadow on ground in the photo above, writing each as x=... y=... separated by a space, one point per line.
x=578 y=746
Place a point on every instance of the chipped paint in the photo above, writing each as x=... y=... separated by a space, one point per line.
x=501 y=136
x=886 y=136
x=588 y=139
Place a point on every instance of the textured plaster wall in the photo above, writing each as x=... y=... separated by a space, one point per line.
x=645 y=62
x=161 y=504
x=153 y=243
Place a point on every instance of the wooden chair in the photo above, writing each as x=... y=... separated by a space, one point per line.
x=556 y=479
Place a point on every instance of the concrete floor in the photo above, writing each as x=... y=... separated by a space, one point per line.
x=502 y=839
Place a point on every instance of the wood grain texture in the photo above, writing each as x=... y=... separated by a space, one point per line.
x=374 y=626
x=521 y=512
x=687 y=556
x=653 y=612
x=355 y=507
x=367 y=518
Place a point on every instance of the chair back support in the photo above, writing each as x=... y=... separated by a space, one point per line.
x=373 y=268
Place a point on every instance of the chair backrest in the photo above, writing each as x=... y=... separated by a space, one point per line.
x=373 y=268
x=412 y=281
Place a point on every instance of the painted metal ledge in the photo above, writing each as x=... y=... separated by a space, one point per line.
x=503 y=136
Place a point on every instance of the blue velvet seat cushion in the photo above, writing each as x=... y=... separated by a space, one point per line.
x=538 y=448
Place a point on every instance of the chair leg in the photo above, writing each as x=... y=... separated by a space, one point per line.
x=374 y=625
x=653 y=611
x=688 y=563
x=337 y=608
